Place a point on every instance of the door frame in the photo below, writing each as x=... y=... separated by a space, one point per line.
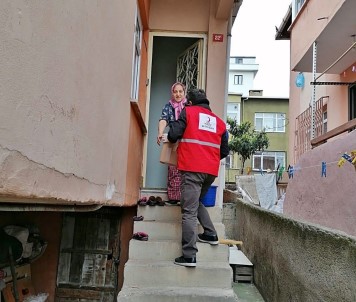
x=149 y=70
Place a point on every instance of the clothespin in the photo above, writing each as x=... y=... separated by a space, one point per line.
x=347 y=157
x=290 y=171
x=353 y=155
x=323 y=169
x=341 y=162
x=280 y=173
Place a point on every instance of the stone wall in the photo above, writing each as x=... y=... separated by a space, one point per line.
x=293 y=260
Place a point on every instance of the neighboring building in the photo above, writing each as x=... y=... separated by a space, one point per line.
x=322 y=109
x=248 y=104
x=270 y=114
x=82 y=88
x=242 y=72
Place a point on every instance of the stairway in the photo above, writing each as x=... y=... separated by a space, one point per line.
x=150 y=274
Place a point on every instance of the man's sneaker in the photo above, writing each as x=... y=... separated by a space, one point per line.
x=189 y=262
x=212 y=239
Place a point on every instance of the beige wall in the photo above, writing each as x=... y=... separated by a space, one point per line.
x=197 y=17
x=64 y=94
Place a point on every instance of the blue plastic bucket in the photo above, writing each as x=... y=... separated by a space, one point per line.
x=210 y=196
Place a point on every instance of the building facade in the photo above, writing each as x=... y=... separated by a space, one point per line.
x=82 y=86
x=322 y=111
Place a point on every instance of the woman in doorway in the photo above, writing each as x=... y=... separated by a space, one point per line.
x=170 y=113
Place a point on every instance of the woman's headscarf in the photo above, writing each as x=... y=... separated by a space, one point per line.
x=178 y=106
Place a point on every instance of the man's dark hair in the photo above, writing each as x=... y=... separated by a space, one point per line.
x=196 y=96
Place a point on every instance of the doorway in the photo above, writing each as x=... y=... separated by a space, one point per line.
x=173 y=58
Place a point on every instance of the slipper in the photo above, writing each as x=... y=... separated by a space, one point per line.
x=151 y=201
x=140 y=236
x=138 y=218
x=142 y=201
x=159 y=201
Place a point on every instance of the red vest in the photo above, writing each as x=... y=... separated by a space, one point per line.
x=199 y=148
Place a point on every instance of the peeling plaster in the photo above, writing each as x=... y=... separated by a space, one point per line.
x=110 y=190
x=23 y=178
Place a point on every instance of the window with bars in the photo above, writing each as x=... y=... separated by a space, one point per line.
x=270 y=122
x=238 y=79
x=233 y=111
x=136 y=57
x=268 y=160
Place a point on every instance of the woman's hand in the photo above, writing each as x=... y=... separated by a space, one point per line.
x=162 y=138
x=159 y=139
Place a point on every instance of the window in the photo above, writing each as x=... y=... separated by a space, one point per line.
x=270 y=122
x=268 y=160
x=136 y=57
x=229 y=161
x=238 y=79
x=236 y=60
x=233 y=111
x=325 y=121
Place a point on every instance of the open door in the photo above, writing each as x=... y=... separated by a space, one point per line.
x=173 y=58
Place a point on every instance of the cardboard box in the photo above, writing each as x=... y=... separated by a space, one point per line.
x=169 y=154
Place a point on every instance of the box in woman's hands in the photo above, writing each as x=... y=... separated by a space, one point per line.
x=169 y=153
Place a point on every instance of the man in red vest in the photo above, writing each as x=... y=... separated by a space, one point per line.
x=203 y=143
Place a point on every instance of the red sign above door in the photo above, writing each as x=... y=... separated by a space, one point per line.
x=218 y=37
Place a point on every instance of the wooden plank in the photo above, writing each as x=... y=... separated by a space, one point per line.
x=336 y=131
x=230 y=242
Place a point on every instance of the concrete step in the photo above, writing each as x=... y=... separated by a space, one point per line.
x=173 y=213
x=168 y=250
x=176 y=294
x=158 y=230
x=145 y=273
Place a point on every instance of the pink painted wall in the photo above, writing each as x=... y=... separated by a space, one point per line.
x=328 y=201
x=306 y=27
x=65 y=99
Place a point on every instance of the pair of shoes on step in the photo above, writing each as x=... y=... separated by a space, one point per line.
x=173 y=202
x=153 y=201
x=138 y=218
x=140 y=236
x=142 y=201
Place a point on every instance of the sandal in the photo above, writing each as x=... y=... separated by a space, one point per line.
x=140 y=236
x=142 y=201
x=138 y=218
x=151 y=201
x=159 y=201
